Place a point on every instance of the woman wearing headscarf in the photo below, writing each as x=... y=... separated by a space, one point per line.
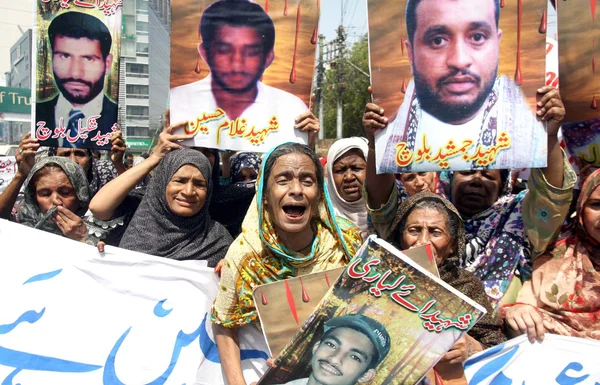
x=98 y=173
x=346 y=171
x=428 y=218
x=244 y=169
x=502 y=230
x=563 y=295
x=56 y=196
x=289 y=230
x=172 y=220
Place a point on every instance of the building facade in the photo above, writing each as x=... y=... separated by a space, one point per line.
x=143 y=91
x=19 y=77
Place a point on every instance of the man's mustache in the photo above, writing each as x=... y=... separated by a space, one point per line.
x=73 y=80
x=462 y=73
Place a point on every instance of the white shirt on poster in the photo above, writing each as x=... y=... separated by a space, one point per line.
x=191 y=101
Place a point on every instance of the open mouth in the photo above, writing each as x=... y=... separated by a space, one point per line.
x=294 y=212
x=329 y=369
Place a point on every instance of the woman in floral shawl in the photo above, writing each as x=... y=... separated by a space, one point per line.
x=290 y=230
x=563 y=296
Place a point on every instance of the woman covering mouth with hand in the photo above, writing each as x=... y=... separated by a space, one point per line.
x=290 y=230
x=346 y=172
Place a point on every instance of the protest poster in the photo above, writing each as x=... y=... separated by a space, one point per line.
x=458 y=82
x=282 y=315
x=579 y=40
x=76 y=69
x=557 y=360
x=241 y=71
x=72 y=316
x=397 y=318
x=8 y=169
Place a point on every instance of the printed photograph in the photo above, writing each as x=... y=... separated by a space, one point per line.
x=385 y=321
x=579 y=40
x=457 y=81
x=241 y=71
x=77 y=75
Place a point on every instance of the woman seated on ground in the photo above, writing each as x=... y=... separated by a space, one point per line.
x=56 y=196
x=502 y=229
x=563 y=296
x=346 y=172
x=289 y=230
x=428 y=218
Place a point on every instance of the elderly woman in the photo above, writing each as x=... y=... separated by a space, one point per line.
x=502 y=230
x=416 y=182
x=56 y=196
x=563 y=296
x=427 y=218
x=289 y=230
x=346 y=171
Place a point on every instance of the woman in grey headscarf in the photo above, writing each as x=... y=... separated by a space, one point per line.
x=56 y=198
x=172 y=220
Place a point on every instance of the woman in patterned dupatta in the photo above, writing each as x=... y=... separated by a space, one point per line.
x=563 y=295
x=290 y=230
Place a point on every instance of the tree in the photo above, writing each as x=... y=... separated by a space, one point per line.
x=355 y=96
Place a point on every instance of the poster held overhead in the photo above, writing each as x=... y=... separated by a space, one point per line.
x=458 y=82
x=241 y=71
x=77 y=73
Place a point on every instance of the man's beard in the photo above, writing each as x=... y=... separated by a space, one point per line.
x=431 y=102
x=251 y=85
x=95 y=89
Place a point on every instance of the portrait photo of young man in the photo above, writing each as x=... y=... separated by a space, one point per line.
x=348 y=353
x=80 y=47
x=238 y=46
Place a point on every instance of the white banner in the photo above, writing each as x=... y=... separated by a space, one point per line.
x=557 y=360
x=72 y=316
x=8 y=169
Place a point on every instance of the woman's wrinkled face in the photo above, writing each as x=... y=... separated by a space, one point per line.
x=416 y=182
x=349 y=172
x=428 y=226
x=292 y=193
x=55 y=189
x=186 y=191
x=591 y=215
x=475 y=191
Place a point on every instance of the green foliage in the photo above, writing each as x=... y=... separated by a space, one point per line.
x=354 y=96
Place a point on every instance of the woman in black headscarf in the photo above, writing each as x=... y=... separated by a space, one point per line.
x=172 y=220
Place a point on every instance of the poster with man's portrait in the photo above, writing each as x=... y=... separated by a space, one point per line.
x=579 y=38
x=241 y=71
x=457 y=80
x=77 y=72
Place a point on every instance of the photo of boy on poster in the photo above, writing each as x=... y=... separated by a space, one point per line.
x=457 y=104
x=238 y=45
x=348 y=353
x=81 y=115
